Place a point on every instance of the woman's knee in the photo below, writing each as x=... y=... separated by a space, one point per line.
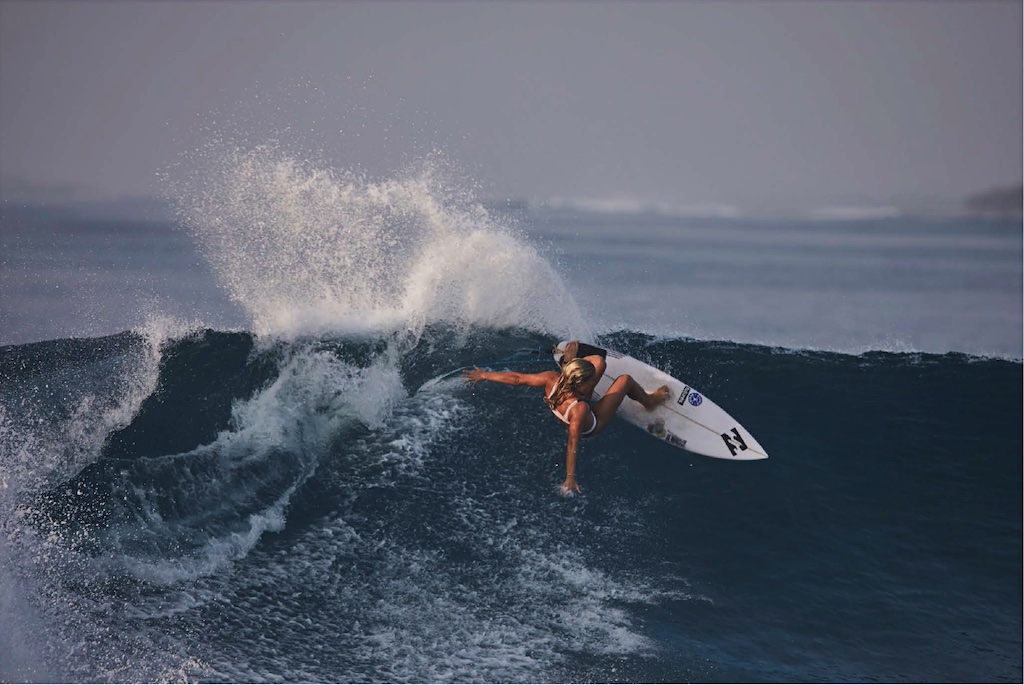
x=625 y=381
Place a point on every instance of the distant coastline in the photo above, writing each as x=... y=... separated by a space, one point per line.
x=1000 y=202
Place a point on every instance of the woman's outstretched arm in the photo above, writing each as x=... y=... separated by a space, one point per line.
x=533 y=380
x=576 y=417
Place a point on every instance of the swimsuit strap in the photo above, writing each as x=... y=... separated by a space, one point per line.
x=564 y=418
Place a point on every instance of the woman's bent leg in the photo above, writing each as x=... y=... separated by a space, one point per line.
x=623 y=387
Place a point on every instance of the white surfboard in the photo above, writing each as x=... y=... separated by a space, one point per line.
x=687 y=420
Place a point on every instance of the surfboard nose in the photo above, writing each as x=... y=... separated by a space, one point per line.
x=753 y=452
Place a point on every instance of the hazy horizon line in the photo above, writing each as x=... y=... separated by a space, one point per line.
x=17 y=193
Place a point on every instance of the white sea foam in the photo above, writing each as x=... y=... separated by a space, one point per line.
x=412 y=617
x=855 y=213
x=314 y=397
x=23 y=638
x=629 y=205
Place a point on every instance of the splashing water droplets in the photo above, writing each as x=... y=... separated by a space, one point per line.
x=307 y=250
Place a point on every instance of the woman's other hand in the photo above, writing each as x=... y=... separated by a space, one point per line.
x=473 y=376
x=570 y=487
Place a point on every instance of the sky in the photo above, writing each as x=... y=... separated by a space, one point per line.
x=761 y=103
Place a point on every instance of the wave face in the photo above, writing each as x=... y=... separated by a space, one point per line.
x=224 y=506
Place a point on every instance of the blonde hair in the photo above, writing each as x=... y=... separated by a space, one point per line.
x=575 y=373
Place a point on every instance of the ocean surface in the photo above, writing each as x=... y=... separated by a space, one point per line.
x=231 y=448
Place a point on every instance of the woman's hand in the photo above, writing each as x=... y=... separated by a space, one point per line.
x=570 y=487
x=474 y=376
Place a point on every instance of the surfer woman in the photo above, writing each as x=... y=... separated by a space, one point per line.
x=568 y=395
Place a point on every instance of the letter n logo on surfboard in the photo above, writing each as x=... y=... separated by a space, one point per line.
x=740 y=445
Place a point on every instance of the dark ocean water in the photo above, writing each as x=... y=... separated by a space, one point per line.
x=229 y=450
x=216 y=506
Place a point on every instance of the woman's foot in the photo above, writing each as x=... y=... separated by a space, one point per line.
x=656 y=397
